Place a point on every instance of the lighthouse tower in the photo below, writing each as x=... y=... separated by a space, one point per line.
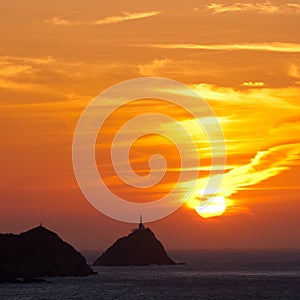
x=141 y=225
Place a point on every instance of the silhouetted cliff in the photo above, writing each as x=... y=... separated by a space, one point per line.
x=138 y=248
x=39 y=252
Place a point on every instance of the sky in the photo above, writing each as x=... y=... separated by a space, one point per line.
x=243 y=58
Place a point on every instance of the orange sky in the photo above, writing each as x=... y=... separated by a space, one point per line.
x=243 y=58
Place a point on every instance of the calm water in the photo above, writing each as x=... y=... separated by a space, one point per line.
x=207 y=275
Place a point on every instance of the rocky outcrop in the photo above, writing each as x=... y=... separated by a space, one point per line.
x=36 y=253
x=140 y=247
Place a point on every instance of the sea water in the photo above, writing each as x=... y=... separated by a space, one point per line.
x=215 y=274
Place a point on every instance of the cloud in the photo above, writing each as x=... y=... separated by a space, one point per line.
x=264 y=165
x=33 y=60
x=289 y=120
x=255 y=84
x=177 y=69
x=8 y=71
x=266 y=7
x=294 y=5
x=154 y=67
x=249 y=117
x=294 y=71
x=12 y=66
x=265 y=47
x=127 y=17
x=15 y=71
x=57 y=21
x=246 y=120
x=53 y=76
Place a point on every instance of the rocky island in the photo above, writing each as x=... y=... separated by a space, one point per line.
x=36 y=253
x=139 y=248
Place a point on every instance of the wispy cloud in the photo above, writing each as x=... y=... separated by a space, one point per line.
x=294 y=71
x=14 y=71
x=267 y=47
x=264 y=165
x=255 y=84
x=266 y=7
x=289 y=120
x=53 y=75
x=59 y=22
x=152 y=68
x=247 y=121
x=23 y=59
x=247 y=126
x=295 y=5
x=126 y=16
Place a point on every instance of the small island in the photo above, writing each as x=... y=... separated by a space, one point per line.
x=139 y=248
x=37 y=253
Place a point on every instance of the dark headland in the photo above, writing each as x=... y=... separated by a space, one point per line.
x=139 y=248
x=36 y=253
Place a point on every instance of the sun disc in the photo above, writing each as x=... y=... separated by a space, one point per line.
x=216 y=207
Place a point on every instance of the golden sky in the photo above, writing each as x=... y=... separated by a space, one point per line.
x=243 y=58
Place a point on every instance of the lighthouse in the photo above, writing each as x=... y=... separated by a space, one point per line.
x=141 y=225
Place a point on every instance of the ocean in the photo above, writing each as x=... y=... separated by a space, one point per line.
x=215 y=274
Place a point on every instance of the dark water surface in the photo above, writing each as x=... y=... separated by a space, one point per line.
x=217 y=274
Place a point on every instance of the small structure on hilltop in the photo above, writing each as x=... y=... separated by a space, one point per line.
x=141 y=225
x=138 y=248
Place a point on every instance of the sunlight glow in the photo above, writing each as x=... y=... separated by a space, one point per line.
x=216 y=207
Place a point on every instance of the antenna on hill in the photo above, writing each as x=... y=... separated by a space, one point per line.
x=141 y=225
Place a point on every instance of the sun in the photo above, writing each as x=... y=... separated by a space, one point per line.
x=215 y=206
